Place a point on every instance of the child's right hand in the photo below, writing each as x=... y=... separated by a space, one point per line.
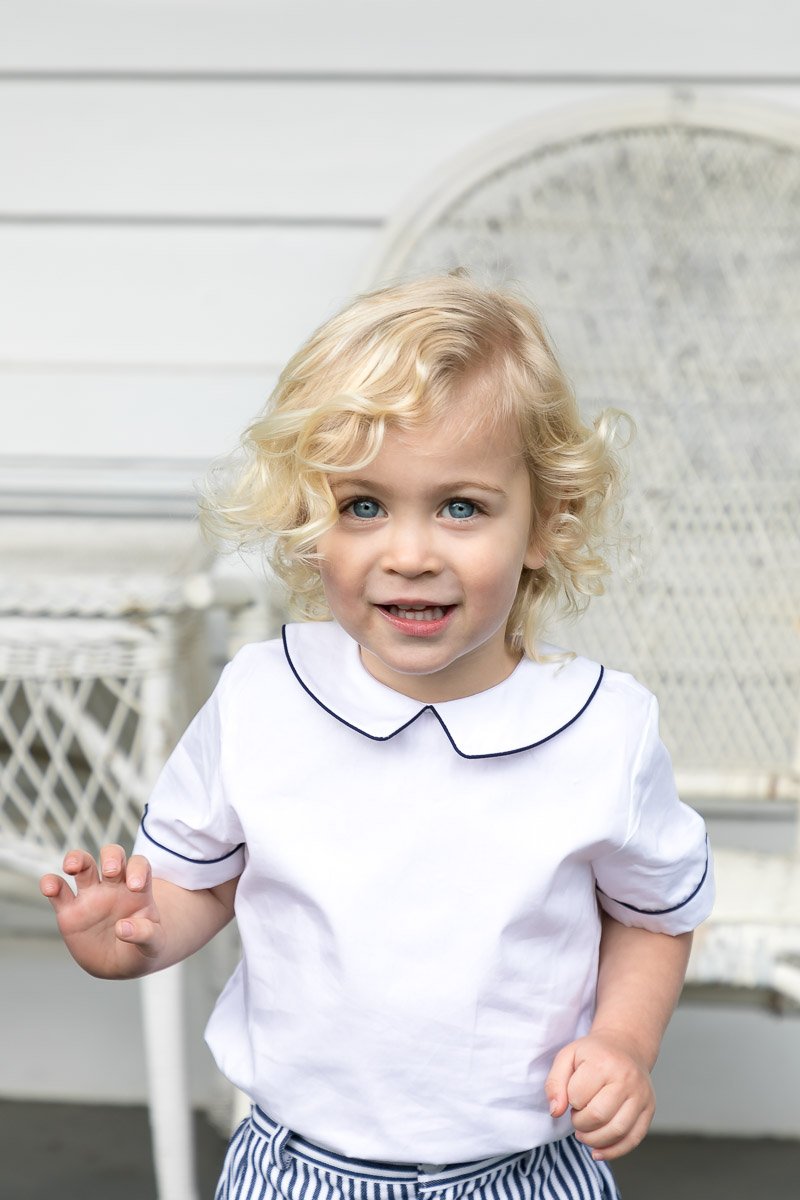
x=111 y=926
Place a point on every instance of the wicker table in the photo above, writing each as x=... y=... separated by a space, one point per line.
x=103 y=660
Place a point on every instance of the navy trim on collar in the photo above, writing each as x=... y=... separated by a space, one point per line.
x=584 y=695
x=531 y=745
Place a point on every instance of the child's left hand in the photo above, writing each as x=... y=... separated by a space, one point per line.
x=608 y=1087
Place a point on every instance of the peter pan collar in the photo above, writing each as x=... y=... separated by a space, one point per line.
x=534 y=704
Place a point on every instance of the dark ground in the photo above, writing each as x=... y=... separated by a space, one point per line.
x=87 y=1152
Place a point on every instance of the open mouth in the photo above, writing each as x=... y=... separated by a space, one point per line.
x=429 y=613
x=418 y=620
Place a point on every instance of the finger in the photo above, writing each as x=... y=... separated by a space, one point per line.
x=601 y=1131
x=600 y=1108
x=622 y=1145
x=592 y=1077
x=138 y=875
x=56 y=890
x=557 y=1082
x=112 y=864
x=82 y=867
x=584 y=1086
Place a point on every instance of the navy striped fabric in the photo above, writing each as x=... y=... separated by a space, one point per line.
x=266 y=1161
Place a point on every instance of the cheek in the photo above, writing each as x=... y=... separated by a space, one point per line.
x=337 y=594
x=495 y=575
x=340 y=567
x=326 y=549
x=331 y=575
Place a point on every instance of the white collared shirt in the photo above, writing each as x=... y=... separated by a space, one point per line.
x=419 y=885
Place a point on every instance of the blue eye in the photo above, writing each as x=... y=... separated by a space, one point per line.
x=365 y=509
x=461 y=510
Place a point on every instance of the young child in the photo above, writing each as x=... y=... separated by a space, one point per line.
x=423 y=819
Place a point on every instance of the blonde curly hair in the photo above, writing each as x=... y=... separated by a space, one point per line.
x=395 y=358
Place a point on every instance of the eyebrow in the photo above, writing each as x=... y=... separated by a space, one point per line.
x=450 y=487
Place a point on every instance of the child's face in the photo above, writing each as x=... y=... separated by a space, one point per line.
x=423 y=566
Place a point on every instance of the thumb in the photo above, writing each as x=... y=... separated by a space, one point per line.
x=555 y=1086
x=147 y=935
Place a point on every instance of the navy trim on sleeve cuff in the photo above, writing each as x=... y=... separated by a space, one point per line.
x=198 y=862
x=658 y=912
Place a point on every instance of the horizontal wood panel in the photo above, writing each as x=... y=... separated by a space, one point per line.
x=181 y=415
x=250 y=150
x=246 y=297
x=717 y=37
x=65 y=486
x=220 y=151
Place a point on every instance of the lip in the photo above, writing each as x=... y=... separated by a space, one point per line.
x=412 y=627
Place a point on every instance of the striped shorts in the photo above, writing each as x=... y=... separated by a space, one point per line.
x=266 y=1161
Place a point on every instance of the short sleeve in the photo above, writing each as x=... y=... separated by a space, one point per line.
x=189 y=832
x=661 y=878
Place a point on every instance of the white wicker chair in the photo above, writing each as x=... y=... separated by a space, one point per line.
x=660 y=236
x=102 y=663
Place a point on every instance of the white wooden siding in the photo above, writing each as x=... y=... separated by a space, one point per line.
x=189 y=188
x=617 y=38
x=157 y=295
x=258 y=152
x=279 y=151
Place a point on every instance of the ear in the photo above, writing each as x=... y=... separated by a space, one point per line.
x=534 y=556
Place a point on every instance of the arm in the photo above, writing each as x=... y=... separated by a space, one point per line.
x=605 y=1076
x=122 y=923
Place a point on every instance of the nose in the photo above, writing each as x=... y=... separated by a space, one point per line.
x=411 y=549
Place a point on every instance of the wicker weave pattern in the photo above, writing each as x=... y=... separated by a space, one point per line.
x=103 y=660
x=89 y=711
x=102 y=663
x=665 y=260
